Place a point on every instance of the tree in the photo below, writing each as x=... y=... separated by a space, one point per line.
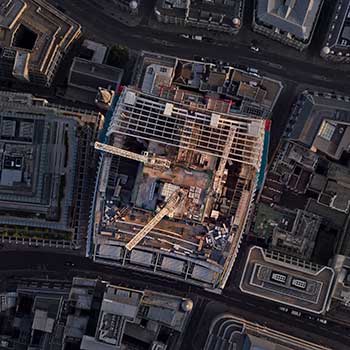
x=118 y=56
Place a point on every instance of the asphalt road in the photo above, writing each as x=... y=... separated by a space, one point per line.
x=46 y=264
x=296 y=70
x=293 y=68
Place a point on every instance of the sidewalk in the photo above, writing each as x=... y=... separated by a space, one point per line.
x=245 y=37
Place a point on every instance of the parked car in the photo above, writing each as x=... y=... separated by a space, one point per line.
x=322 y=320
x=296 y=313
x=193 y=37
x=252 y=70
x=283 y=308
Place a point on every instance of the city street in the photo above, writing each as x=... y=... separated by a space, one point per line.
x=55 y=265
x=19 y=258
x=297 y=71
x=295 y=67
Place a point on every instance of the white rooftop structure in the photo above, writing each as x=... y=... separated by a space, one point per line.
x=123 y=309
x=173 y=123
x=293 y=16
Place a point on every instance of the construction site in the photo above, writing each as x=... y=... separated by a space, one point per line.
x=174 y=188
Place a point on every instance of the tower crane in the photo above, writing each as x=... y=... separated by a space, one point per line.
x=174 y=200
x=225 y=154
x=146 y=157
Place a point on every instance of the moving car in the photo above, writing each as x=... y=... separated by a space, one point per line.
x=254 y=48
x=69 y=264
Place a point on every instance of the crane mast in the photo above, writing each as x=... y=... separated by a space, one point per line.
x=174 y=200
x=146 y=158
x=225 y=154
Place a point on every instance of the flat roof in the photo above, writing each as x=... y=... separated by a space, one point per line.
x=316 y=108
x=102 y=71
x=286 y=283
x=9 y=12
x=141 y=115
x=295 y=17
x=54 y=30
x=338 y=36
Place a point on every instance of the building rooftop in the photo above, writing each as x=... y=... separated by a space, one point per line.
x=333 y=139
x=155 y=77
x=289 y=282
x=338 y=37
x=96 y=51
x=10 y=11
x=300 y=179
x=294 y=232
x=38 y=29
x=224 y=87
x=226 y=333
x=176 y=8
x=193 y=140
x=39 y=146
x=292 y=16
x=229 y=332
x=139 y=315
x=212 y=145
x=90 y=75
x=202 y=13
x=34 y=314
x=216 y=12
x=341 y=292
x=86 y=78
x=316 y=108
x=48 y=314
x=304 y=205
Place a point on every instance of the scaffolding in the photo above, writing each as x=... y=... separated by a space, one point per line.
x=193 y=128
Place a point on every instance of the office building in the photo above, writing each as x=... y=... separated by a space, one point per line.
x=34 y=38
x=46 y=160
x=341 y=291
x=35 y=317
x=47 y=314
x=337 y=44
x=228 y=332
x=86 y=78
x=289 y=22
x=287 y=280
x=219 y=15
x=130 y=317
x=303 y=211
x=224 y=86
